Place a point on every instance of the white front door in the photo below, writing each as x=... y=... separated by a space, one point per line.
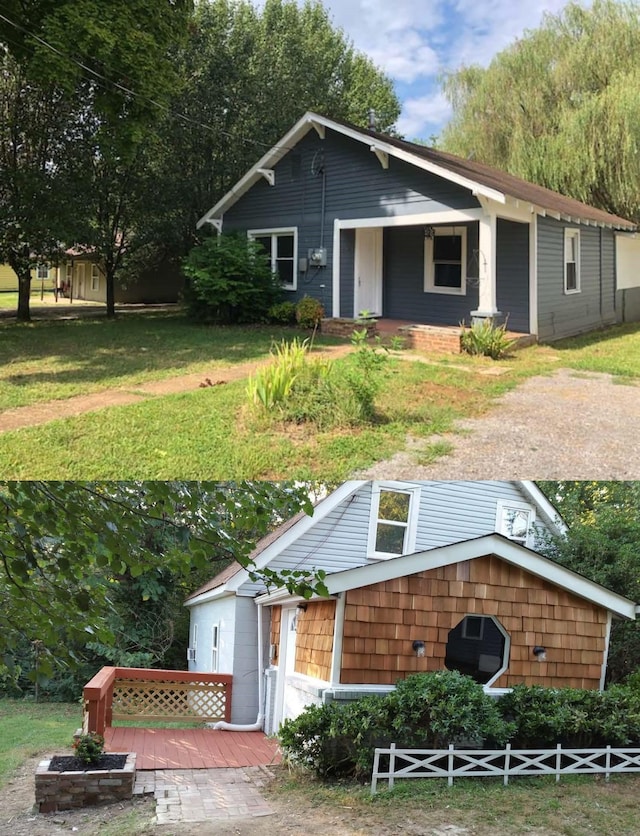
x=367 y=294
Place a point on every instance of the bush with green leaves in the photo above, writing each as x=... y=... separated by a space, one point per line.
x=282 y=313
x=89 y=747
x=229 y=280
x=309 y=312
x=427 y=710
x=544 y=717
x=486 y=339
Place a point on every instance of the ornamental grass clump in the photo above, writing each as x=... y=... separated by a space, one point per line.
x=486 y=339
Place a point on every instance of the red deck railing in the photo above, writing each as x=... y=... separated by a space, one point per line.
x=147 y=695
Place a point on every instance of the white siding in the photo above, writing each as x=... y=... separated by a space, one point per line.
x=244 y=705
x=449 y=512
x=223 y=613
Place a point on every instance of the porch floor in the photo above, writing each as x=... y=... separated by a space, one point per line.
x=192 y=748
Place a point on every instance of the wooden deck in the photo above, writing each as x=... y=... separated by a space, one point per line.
x=192 y=748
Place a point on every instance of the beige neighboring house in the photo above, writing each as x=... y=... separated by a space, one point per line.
x=42 y=276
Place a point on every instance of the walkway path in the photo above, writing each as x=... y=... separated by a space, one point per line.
x=41 y=413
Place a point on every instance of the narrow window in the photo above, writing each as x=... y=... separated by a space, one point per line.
x=572 y=261
x=392 y=525
x=446 y=260
x=95 y=277
x=215 y=640
x=479 y=647
x=281 y=246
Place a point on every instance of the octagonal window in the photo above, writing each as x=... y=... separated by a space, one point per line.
x=479 y=647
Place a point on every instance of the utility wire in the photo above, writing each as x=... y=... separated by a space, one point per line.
x=130 y=92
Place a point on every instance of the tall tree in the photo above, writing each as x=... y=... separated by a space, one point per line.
x=71 y=552
x=560 y=107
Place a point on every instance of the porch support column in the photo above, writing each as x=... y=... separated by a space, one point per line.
x=487 y=293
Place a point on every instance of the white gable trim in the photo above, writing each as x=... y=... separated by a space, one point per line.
x=547 y=511
x=321 y=510
x=492 y=544
x=211 y=595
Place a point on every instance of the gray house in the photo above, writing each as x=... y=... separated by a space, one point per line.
x=366 y=222
x=421 y=576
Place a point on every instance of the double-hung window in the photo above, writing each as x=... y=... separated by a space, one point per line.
x=572 y=261
x=43 y=272
x=392 y=526
x=95 y=277
x=445 y=260
x=515 y=520
x=281 y=246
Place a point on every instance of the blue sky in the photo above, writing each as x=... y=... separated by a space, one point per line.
x=413 y=41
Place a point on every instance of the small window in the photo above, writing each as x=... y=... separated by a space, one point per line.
x=479 y=647
x=215 y=641
x=572 y=261
x=95 y=277
x=392 y=525
x=43 y=272
x=281 y=245
x=515 y=521
x=194 y=643
x=445 y=261
x=68 y=272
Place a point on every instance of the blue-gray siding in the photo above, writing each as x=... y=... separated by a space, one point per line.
x=512 y=274
x=562 y=315
x=355 y=186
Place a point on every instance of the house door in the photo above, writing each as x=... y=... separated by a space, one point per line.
x=80 y=284
x=287 y=696
x=367 y=294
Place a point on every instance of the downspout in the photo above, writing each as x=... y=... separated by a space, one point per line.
x=259 y=723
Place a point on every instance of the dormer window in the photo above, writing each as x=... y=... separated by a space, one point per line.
x=515 y=521
x=392 y=529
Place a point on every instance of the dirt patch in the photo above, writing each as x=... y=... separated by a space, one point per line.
x=569 y=425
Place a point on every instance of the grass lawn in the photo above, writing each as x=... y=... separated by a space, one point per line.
x=30 y=728
x=208 y=433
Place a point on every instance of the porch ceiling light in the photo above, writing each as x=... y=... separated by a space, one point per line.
x=428 y=232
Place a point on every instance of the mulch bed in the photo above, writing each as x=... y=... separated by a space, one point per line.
x=70 y=763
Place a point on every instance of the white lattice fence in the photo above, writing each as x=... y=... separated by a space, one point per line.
x=168 y=700
x=451 y=763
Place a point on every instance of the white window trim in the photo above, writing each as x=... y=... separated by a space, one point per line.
x=571 y=232
x=215 y=648
x=429 y=267
x=411 y=527
x=252 y=234
x=194 y=642
x=44 y=267
x=515 y=505
x=95 y=277
x=507 y=646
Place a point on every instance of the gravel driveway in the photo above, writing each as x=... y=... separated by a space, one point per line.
x=571 y=425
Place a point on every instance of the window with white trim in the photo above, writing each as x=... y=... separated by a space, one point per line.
x=393 y=521
x=95 y=277
x=515 y=520
x=43 y=272
x=215 y=647
x=478 y=646
x=572 y=261
x=445 y=260
x=281 y=245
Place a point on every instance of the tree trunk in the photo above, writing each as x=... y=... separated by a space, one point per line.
x=111 y=296
x=22 y=268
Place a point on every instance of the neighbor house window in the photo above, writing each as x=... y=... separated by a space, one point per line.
x=572 y=261
x=515 y=520
x=392 y=528
x=95 y=277
x=478 y=646
x=215 y=642
x=43 y=271
x=445 y=260
x=281 y=245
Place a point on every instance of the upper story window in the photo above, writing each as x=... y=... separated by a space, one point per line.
x=393 y=523
x=95 y=277
x=281 y=245
x=572 y=261
x=445 y=260
x=515 y=520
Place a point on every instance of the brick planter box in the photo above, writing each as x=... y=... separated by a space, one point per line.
x=433 y=338
x=65 y=790
x=343 y=327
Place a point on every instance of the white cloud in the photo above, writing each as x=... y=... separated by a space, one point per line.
x=424 y=116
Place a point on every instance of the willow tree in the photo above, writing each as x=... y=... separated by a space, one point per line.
x=560 y=107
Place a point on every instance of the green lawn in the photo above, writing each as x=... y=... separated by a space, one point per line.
x=29 y=728
x=209 y=432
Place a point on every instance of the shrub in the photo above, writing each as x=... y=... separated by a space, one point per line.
x=425 y=710
x=270 y=386
x=486 y=339
x=309 y=312
x=283 y=313
x=89 y=747
x=229 y=281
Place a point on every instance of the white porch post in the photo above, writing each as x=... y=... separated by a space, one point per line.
x=487 y=293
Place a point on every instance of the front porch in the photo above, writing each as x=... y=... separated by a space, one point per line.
x=146 y=696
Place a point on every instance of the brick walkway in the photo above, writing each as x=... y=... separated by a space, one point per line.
x=195 y=795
